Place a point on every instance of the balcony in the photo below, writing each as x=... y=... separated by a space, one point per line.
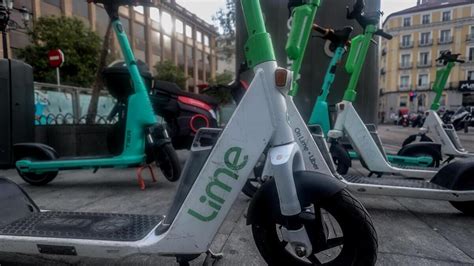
x=446 y=40
x=423 y=86
x=406 y=45
x=424 y=43
x=470 y=37
x=406 y=65
x=404 y=88
x=424 y=64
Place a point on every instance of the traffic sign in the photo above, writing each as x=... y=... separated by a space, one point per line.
x=56 y=58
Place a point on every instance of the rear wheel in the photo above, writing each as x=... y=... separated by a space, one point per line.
x=343 y=235
x=168 y=162
x=423 y=152
x=341 y=158
x=37 y=179
x=466 y=207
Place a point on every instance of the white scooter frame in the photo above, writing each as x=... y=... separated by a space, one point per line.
x=444 y=134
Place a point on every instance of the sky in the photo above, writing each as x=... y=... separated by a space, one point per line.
x=206 y=8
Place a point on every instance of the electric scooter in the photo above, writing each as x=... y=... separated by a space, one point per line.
x=364 y=138
x=433 y=127
x=452 y=183
x=143 y=139
x=288 y=215
x=339 y=43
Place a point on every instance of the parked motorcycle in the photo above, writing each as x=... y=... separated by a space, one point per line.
x=462 y=118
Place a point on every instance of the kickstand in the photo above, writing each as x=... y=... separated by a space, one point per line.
x=212 y=258
x=141 y=181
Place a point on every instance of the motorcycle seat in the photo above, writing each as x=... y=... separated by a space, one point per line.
x=173 y=89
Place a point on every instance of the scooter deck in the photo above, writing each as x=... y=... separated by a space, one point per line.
x=77 y=225
x=393 y=182
x=411 y=167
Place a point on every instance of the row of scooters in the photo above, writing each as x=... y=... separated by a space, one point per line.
x=302 y=210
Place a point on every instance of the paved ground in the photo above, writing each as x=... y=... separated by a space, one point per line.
x=411 y=232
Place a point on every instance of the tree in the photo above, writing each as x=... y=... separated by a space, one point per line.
x=168 y=71
x=226 y=20
x=81 y=47
x=223 y=94
x=99 y=82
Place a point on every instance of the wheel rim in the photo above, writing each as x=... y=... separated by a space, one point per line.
x=322 y=253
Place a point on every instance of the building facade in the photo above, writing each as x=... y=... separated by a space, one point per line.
x=408 y=61
x=166 y=31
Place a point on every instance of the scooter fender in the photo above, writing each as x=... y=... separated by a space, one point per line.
x=457 y=176
x=14 y=202
x=35 y=150
x=310 y=186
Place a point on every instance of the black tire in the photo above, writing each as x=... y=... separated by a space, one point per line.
x=466 y=207
x=37 y=179
x=359 y=241
x=168 y=162
x=423 y=152
x=341 y=158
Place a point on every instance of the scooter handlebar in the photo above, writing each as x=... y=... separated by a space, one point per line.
x=383 y=34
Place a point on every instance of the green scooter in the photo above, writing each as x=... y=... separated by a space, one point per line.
x=145 y=140
x=320 y=114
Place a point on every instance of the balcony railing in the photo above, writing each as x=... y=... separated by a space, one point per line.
x=470 y=37
x=446 y=40
x=423 y=64
x=424 y=43
x=423 y=86
x=404 y=88
x=406 y=65
x=406 y=45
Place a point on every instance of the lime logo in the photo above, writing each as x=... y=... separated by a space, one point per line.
x=233 y=163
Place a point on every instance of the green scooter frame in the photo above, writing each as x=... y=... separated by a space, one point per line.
x=320 y=114
x=140 y=116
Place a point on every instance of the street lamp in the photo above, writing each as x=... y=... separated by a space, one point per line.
x=5 y=10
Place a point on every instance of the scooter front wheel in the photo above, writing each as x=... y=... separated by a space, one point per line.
x=346 y=237
x=168 y=162
x=34 y=178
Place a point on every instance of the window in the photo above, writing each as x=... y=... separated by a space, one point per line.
x=168 y=55
x=53 y=2
x=166 y=23
x=470 y=75
x=156 y=43
x=404 y=82
x=446 y=15
x=189 y=31
x=179 y=26
x=139 y=32
x=423 y=80
x=138 y=9
x=470 y=37
x=80 y=8
x=198 y=36
x=155 y=14
x=405 y=62
x=102 y=20
x=206 y=40
x=407 y=22
x=425 y=38
x=424 y=58
x=403 y=101
x=406 y=40
x=180 y=53
x=426 y=19
x=445 y=36
x=471 y=54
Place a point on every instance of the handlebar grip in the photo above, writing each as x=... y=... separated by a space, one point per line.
x=383 y=34
x=320 y=29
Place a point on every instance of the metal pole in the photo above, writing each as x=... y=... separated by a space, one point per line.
x=58 y=77
x=5 y=44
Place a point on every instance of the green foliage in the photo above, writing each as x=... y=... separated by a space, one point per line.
x=223 y=94
x=226 y=20
x=80 y=45
x=168 y=71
